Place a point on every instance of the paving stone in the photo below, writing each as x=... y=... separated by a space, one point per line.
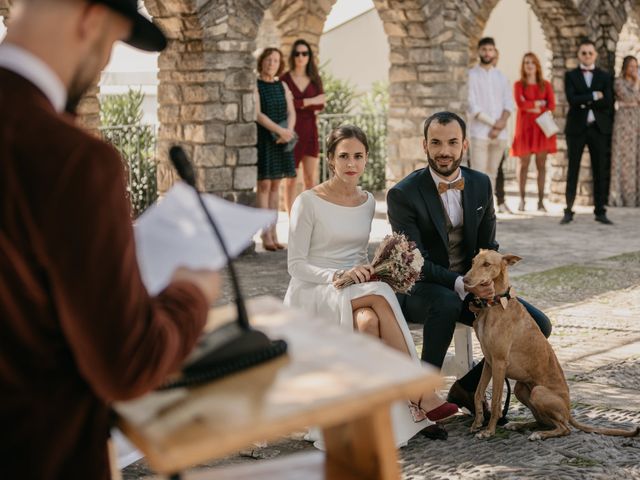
x=622 y=374
x=596 y=337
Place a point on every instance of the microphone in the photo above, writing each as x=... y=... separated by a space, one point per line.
x=234 y=346
x=185 y=171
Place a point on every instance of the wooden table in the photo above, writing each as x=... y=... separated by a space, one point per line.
x=341 y=382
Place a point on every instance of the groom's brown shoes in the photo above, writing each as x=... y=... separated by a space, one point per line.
x=464 y=399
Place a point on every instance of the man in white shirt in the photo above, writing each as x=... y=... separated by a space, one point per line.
x=489 y=105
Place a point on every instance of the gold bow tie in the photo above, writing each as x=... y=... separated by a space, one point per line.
x=457 y=185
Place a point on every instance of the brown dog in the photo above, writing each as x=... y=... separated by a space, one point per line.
x=514 y=347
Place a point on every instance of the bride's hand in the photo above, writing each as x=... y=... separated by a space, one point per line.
x=360 y=274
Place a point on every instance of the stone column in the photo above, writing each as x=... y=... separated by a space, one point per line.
x=205 y=99
x=418 y=78
x=5 y=7
x=89 y=109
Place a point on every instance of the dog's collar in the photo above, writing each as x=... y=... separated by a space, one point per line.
x=499 y=299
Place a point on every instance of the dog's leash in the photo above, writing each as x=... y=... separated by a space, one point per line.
x=499 y=299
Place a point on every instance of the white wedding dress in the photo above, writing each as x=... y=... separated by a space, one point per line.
x=325 y=237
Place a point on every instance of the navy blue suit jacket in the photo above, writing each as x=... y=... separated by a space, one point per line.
x=415 y=209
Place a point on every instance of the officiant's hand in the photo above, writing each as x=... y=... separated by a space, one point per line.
x=206 y=280
x=360 y=274
x=484 y=290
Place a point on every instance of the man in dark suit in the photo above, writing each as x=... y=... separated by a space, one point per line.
x=78 y=329
x=589 y=92
x=448 y=211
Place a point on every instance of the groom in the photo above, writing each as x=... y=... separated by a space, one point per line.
x=448 y=211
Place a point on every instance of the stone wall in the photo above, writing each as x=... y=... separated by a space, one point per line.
x=207 y=73
x=5 y=6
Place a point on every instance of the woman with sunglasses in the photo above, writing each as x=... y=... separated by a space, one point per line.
x=305 y=84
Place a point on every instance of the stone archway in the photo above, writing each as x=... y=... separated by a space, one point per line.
x=413 y=73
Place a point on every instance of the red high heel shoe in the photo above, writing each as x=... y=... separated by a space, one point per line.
x=442 y=412
x=438 y=414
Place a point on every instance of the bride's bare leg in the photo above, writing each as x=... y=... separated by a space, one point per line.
x=391 y=334
x=366 y=321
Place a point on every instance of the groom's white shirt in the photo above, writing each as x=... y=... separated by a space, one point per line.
x=452 y=201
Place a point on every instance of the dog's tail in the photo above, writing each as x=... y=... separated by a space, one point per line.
x=618 y=432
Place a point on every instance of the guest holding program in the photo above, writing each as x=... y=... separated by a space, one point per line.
x=534 y=96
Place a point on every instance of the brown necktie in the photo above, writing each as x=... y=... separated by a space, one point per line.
x=457 y=185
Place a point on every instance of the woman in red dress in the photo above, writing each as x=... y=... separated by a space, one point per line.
x=533 y=95
x=304 y=82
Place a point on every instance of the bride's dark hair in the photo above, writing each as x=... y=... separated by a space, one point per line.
x=343 y=132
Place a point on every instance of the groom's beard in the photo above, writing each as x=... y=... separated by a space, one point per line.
x=440 y=171
x=486 y=61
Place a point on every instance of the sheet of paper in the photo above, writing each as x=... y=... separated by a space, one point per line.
x=174 y=232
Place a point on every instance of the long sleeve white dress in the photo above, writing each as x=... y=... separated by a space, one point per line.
x=325 y=237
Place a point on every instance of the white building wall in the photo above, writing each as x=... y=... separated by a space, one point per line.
x=357 y=51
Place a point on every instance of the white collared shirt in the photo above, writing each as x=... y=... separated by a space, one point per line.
x=489 y=93
x=27 y=65
x=588 y=78
x=452 y=201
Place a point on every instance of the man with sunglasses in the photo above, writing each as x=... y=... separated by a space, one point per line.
x=589 y=122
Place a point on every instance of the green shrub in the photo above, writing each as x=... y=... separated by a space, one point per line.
x=121 y=117
x=339 y=94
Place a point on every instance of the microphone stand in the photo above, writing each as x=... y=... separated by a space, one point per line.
x=234 y=346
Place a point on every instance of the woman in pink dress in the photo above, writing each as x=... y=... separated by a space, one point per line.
x=304 y=82
x=534 y=96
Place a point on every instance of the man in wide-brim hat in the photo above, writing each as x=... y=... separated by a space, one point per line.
x=78 y=329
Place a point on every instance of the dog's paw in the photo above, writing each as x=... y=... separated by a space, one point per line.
x=475 y=426
x=486 y=433
x=513 y=426
x=535 y=436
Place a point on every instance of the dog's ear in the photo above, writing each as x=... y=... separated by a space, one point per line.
x=510 y=259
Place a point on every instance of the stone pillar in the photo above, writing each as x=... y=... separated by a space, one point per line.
x=418 y=78
x=205 y=98
x=5 y=7
x=89 y=110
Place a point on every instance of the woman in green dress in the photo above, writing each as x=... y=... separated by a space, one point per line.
x=276 y=118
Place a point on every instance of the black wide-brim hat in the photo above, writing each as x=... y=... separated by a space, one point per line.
x=144 y=35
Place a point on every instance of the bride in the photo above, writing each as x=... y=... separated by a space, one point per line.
x=328 y=238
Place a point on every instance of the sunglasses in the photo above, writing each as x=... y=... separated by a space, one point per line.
x=299 y=53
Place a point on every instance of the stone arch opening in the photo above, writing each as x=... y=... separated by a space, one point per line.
x=563 y=26
x=412 y=81
x=628 y=42
x=521 y=34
